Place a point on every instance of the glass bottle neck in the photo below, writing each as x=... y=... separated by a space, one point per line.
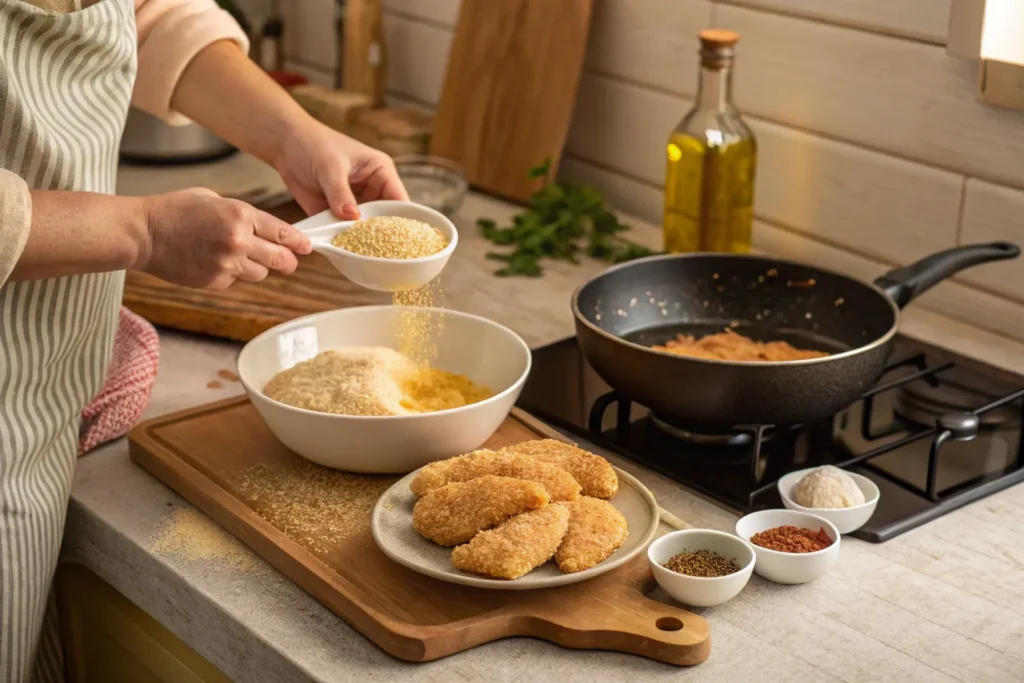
x=714 y=89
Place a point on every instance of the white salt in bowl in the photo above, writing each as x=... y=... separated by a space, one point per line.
x=488 y=353
x=783 y=567
x=372 y=272
x=846 y=520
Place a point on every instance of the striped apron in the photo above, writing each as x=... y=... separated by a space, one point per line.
x=65 y=86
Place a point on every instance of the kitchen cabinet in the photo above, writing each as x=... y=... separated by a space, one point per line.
x=107 y=639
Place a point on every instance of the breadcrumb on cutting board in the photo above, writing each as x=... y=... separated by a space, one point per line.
x=318 y=507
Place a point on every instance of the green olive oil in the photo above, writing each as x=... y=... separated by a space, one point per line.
x=711 y=162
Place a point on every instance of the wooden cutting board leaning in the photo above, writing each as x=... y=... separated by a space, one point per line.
x=223 y=459
x=510 y=87
x=246 y=309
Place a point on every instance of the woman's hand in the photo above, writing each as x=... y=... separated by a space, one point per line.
x=196 y=238
x=325 y=169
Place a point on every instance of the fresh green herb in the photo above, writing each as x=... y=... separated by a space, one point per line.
x=562 y=221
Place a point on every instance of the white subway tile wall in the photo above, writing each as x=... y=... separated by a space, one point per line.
x=874 y=149
x=925 y=20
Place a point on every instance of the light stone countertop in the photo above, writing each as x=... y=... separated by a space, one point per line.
x=944 y=602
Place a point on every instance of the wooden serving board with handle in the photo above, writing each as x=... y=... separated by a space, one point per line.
x=203 y=453
x=510 y=88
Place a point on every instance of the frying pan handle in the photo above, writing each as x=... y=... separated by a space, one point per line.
x=905 y=283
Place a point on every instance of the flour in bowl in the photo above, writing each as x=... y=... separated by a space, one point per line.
x=371 y=381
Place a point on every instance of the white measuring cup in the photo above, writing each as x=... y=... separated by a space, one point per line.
x=374 y=272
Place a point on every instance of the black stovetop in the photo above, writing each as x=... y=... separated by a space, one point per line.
x=893 y=446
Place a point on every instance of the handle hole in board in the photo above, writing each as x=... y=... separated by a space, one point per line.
x=669 y=624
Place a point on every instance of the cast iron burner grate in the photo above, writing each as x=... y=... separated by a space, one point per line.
x=933 y=435
x=750 y=441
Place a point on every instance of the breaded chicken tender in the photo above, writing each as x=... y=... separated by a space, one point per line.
x=596 y=530
x=594 y=473
x=515 y=548
x=454 y=513
x=559 y=484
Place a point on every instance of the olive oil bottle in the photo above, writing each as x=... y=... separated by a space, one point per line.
x=712 y=156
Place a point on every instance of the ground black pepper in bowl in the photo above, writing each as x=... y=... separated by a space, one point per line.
x=701 y=563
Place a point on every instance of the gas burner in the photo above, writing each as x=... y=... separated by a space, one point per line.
x=932 y=435
x=738 y=437
x=926 y=402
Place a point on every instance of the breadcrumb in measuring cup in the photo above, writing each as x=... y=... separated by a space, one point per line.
x=392 y=237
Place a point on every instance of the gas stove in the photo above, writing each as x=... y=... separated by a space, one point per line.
x=934 y=434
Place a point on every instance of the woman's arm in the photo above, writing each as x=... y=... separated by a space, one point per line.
x=193 y=63
x=223 y=90
x=64 y=240
x=192 y=237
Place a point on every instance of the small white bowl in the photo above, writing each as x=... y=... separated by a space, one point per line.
x=845 y=520
x=783 y=567
x=700 y=591
x=486 y=352
x=373 y=272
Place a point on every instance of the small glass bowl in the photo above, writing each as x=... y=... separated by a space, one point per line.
x=434 y=182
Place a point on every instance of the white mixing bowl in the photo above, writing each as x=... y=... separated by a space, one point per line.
x=486 y=352
x=372 y=272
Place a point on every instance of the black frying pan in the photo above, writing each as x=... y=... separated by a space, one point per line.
x=621 y=313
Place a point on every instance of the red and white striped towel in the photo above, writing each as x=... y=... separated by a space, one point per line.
x=130 y=378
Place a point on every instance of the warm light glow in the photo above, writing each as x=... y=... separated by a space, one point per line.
x=1002 y=34
x=674 y=153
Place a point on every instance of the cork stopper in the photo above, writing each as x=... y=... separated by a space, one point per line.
x=717 y=47
x=715 y=38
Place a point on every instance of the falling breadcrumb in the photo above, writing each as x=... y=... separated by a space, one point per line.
x=454 y=513
x=596 y=530
x=559 y=484
x=594 y=473
x=517 y=546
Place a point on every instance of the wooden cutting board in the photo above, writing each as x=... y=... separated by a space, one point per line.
x=208 y=454
x=510 y=87
x=246 y=309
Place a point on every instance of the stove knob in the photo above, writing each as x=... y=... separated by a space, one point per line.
x=961 y=426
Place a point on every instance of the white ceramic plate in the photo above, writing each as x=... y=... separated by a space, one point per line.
x=391 y=525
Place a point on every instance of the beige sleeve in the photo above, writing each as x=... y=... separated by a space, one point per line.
x=15 y=219
x=171 y=33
